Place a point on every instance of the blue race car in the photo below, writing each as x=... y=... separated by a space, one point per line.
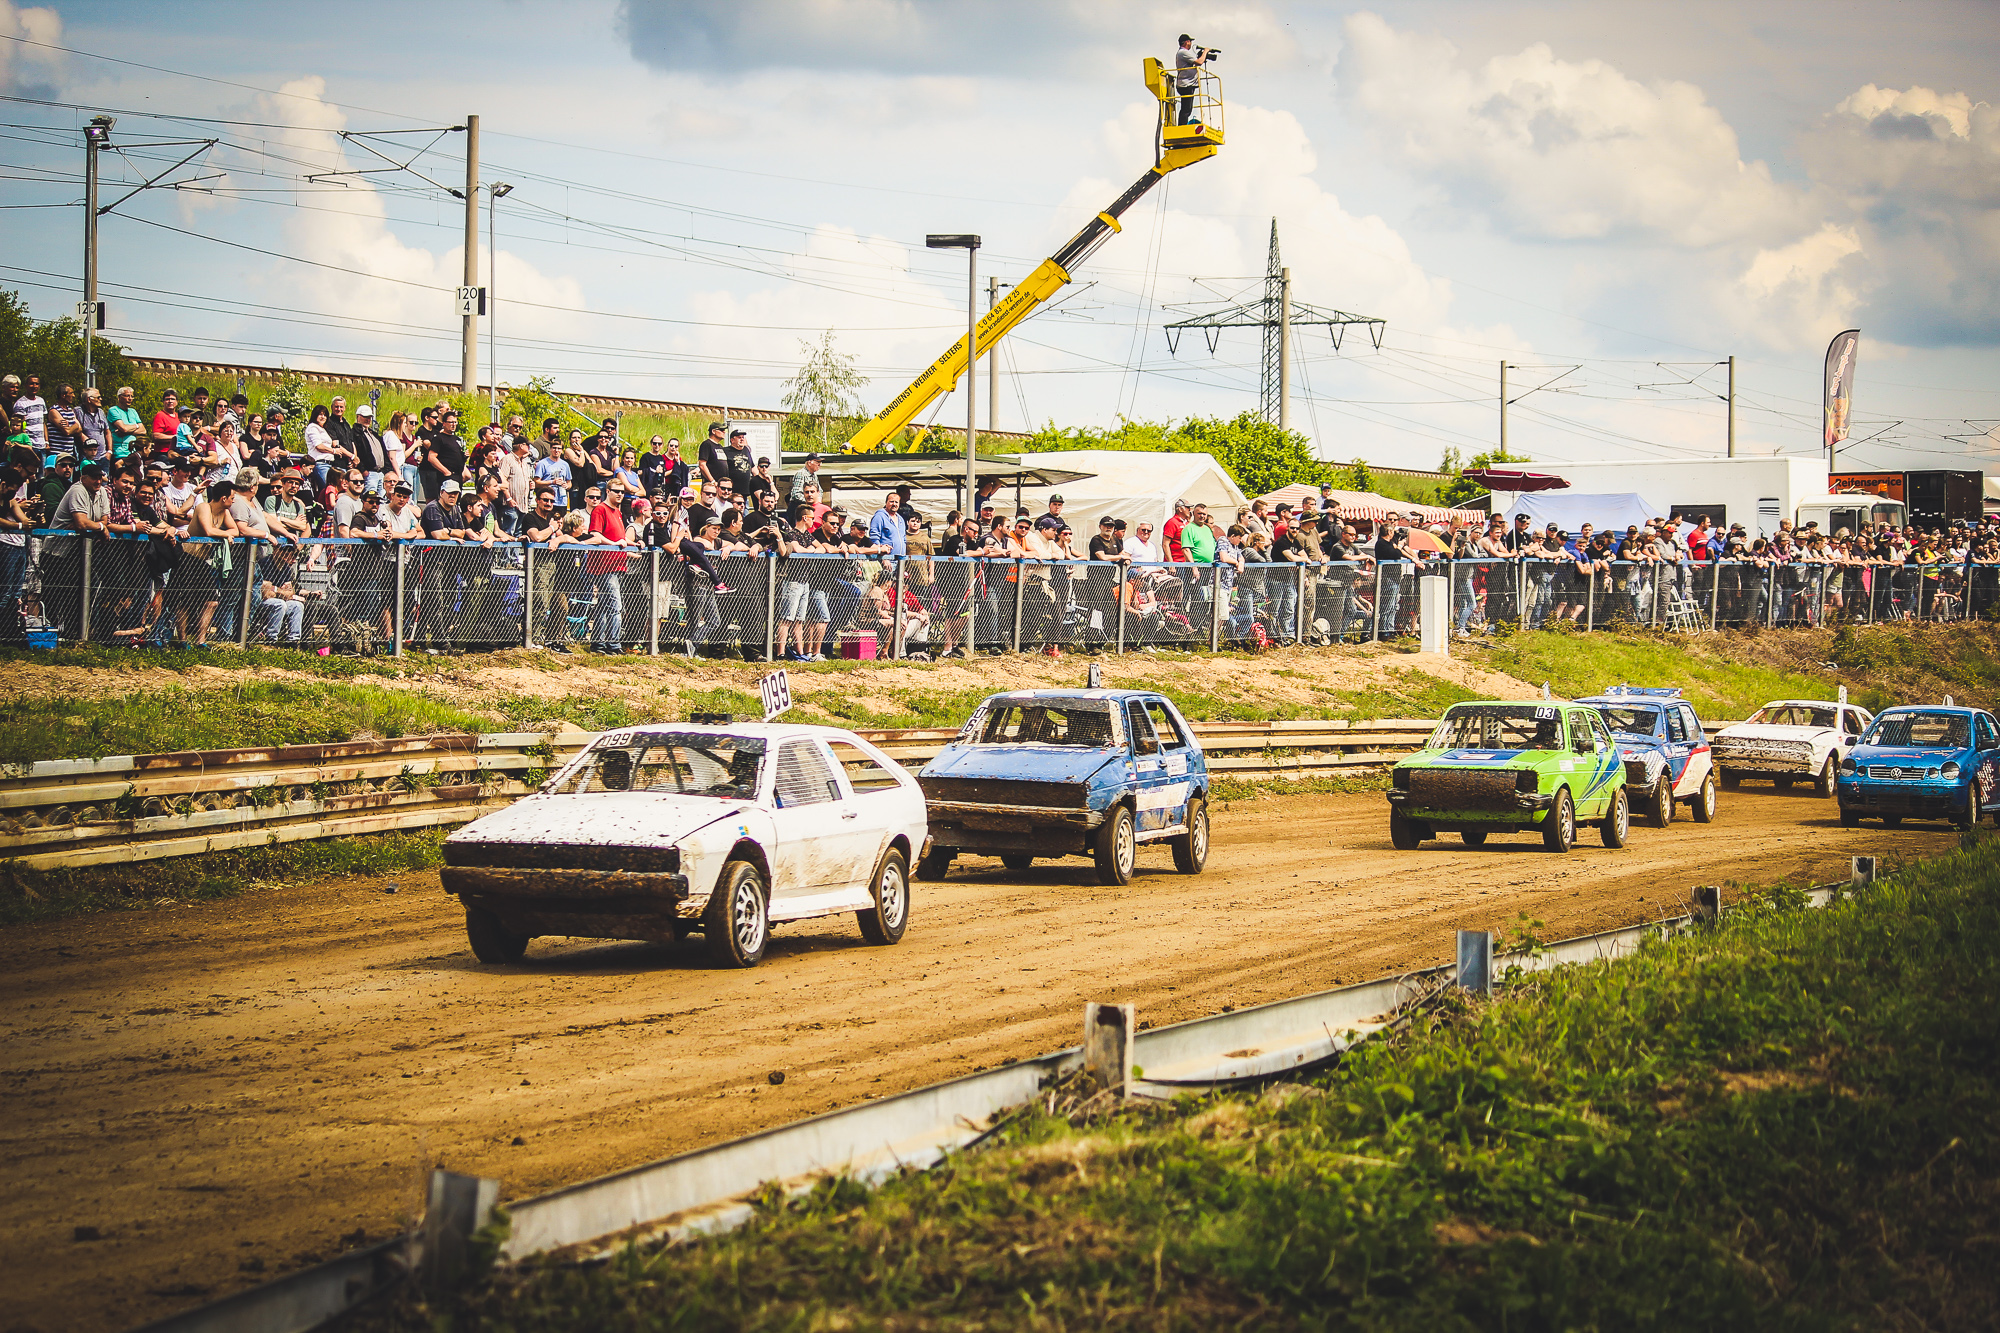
x=1050 y=773
x=1666 y=753
x=1923 y=763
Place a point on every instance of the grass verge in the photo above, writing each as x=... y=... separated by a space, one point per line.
x=28 y=896
x=1785 y=1122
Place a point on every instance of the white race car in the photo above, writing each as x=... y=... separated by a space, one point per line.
x=1790 y=741
x=655 y=832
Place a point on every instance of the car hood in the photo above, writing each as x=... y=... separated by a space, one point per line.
x=601 y=819
x=1033 y=763
x=1903 y=754
x=1764 y=731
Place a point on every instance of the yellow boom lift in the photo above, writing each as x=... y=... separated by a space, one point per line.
x=1175 y=146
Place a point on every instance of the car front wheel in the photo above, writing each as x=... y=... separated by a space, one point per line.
x=1823 y=785
x=885 y=922
x=1849 y=819
x=1191 y=848
x=1618 y=819
x=736 y=924
x=1704 y=801
x=491 y=941
x=1559 y=828
x=1016 y=860
x=1117 y=844
x=1405 y=834
x=1661 y=806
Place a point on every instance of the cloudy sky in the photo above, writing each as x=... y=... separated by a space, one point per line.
x=1613 y=198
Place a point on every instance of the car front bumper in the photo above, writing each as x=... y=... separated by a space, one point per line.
x=1038 y=830
x=1921 y=800
x=1529 y=808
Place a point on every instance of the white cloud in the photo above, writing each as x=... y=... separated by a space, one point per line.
x=1556 y=149
x=29 y=70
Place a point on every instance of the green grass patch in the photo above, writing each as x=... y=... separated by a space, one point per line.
x=43 y=895
x=1785 y=1122
x=1720 y=685
x=254 y=712
x=1250 y=789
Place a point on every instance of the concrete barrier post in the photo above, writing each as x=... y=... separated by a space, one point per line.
x=458 y=1206
x=1707 y=902
x=1475 y=961
x=1865 y=869
x=1108 y=1030
x=1434 y=614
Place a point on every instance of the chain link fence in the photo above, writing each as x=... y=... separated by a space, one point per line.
x=370 y=595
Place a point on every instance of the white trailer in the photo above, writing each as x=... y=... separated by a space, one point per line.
x=1755 y=492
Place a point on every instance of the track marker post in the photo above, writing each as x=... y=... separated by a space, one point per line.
x=1707 y=902
x=1475 y=961
x=1864 y=871
x=1108 y=1030
x=457 y=1207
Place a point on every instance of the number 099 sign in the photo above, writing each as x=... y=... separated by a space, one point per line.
x=777 y=691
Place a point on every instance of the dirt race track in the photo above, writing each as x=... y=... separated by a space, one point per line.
x=228 y=1090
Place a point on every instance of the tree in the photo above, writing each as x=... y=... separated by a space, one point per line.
x=1258 y=455
x=53 y=349
x=823 y=389
x=1457 y=489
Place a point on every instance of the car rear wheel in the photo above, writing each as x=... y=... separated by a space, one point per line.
x=736 y=924
x=885 y=922
x=491 y=941
x=1704 y=801
x=1405 y=834
x=1559 y=828
x=1618 y=819
x=1474 y=837
x=1823 y=785
x=1117 y=844
x=935 y=864
x=1660 y=807
x=1191 y=848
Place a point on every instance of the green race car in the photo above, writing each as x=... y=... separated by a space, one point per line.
x=1491 y=767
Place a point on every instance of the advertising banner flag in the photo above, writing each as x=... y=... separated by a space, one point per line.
x=1839 y=385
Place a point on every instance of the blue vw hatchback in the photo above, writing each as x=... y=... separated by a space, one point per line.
x=1068 y=773
x=1667 y=757
x=1922 y=763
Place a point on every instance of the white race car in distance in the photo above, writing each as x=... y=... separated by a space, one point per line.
x=655 y=832
x=1791 y=740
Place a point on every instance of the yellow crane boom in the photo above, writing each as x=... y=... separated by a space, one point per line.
x=1175 y=146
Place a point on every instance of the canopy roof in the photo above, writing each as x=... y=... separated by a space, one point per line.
x=1368 y=506
x=1507 y=479
x=932 y=471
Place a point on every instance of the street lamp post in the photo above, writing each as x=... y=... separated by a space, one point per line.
x=495 y=192
x=95 y=136
x=970 y=244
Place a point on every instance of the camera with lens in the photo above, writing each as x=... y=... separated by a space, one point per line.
x=1211 y=52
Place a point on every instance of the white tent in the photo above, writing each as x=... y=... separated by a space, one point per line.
x=1570 y=511
x=1131 y=485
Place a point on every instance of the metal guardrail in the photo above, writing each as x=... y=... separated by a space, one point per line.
x=709 y=1189
x=70 y=813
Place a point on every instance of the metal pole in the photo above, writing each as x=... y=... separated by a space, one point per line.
x=1214 y=607
x=1376 y=634
x=1590 y=603
x=1714 y=592
x=469 y=332
x=493 y=193
x=402 y=562
x=83 y=620
x=896 y=625
x=992 y=364
x=1299 y=604
x=249 y=586
x=1284 y=349
x=770 y=605
x=972 y=381
x=1503 y=407
x=1020 y=583
x=1121 y=571
x=92 y=138
x=653 y=604
x=1732 y=407
x=527 y=594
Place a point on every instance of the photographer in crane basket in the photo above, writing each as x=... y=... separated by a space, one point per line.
x=1186 y=81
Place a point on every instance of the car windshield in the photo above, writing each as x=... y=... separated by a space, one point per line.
x=1630 y=719
x=1499 y=727
x=1938 y=730
x=1079 y=722
x=1793 y=715
x=681 y=763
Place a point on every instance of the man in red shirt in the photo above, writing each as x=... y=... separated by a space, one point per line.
x=607 y=571
x=167 y=421
x=1171 y=533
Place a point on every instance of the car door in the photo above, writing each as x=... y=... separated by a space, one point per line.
x=1592 y=759
x=1149 y=766
x=1699 y=760
x=815 y=822
x=1176 y=754
x=1677 y=748
x=882 y=803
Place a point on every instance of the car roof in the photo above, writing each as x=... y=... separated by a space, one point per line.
x=1078 y=694
x=772 y=731
x=1960 y=709
x=1520 y=703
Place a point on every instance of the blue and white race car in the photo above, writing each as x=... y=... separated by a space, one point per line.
x=1666 y=753
x=1923 y=763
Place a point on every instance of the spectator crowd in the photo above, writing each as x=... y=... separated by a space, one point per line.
x=210 y=522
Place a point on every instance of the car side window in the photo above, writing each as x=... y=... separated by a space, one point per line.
x=802 y=776
x=1163 y=724
x=1141 y=727
x=1676 y=725
x=1601 y=734
x=865 y=773
x=1692 y=722
x=1580 y=738
x=1989 y=737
